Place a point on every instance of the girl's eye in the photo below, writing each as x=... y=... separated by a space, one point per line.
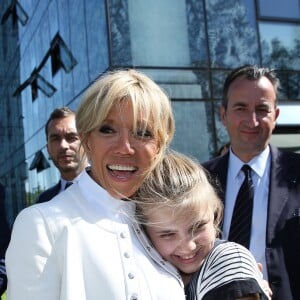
x=106 y=129
x=199 y=226
x=167 y=235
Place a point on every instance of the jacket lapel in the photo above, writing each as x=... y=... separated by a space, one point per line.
x=278 y=191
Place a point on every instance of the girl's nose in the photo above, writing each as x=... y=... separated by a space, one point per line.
x=187 y=246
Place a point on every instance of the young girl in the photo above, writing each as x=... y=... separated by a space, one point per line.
x=181 y=213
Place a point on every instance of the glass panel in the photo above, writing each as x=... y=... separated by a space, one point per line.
x=158 y=33
x=46 y=87
x=21 y=14
x=119 y=33
x=289 y=85
x=196 y=33
x=280 y=45
x=218 y=79
x=181 y=84
x=289 y=142
x=294 y=86
x=222 y=137
x=232 y=33
x=192 y=135
x=279 y=8
x=153 y=28
x=61 y=55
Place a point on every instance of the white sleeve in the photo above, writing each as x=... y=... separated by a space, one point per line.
x=31 y=265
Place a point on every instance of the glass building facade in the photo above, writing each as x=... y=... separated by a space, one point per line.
x=51 y=51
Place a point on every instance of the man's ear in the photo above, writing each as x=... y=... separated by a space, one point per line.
x=277 y=112
x=223 y=115
x=85 y=143
x=49 y=155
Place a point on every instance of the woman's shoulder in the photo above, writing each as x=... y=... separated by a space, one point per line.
x=57 y=210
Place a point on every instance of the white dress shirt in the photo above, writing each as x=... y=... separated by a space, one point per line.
x=64 y=182
x=260 y=176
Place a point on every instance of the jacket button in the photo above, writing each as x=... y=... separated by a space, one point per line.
x=123 y=235
x=134 y=297
x=126 y=254
x=131 y=275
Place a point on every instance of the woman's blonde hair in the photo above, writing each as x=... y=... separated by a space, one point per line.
x=146 y=98
x=180 y=183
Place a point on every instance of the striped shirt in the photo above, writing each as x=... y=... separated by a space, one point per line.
x=228 y=272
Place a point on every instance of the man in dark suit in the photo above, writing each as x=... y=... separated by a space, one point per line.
x=4 y=240
x=249 y=112
x=63 y=145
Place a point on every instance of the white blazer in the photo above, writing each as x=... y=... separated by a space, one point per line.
x=81 y=245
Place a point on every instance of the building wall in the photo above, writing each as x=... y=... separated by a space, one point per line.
x=186 y=46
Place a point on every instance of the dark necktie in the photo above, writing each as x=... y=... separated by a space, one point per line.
x=69 y=183
x=240 y=228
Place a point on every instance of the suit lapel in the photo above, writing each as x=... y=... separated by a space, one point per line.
x=278 y=191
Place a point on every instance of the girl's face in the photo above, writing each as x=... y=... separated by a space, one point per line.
x=119 y=156
x=182 y=242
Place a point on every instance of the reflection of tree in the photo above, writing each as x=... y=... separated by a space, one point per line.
x=232 y=39
x=287 y=61
x=120 y=33
x=278 y=56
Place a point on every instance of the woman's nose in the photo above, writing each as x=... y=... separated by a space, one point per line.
x=124 y=144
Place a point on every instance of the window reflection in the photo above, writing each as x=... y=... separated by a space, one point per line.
x=290 y=85
x=158 y=33
x=279 y=8
x=222 y=137
x=280 y=45
x=218 y=78
x=193 y=135
x=231 y=31
x=181 y=84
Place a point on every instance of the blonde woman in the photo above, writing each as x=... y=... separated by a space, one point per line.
x=81 y=245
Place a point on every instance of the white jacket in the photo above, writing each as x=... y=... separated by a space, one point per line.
x=81 y=245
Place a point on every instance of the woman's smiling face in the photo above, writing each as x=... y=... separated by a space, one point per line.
x=120 y=157
x=181 y=240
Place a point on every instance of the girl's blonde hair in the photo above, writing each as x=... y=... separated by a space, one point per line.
x=146 y=98
x=180 y=183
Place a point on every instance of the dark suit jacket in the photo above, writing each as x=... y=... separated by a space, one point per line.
x=49 y=194
x=283 y=224
x=4 y=240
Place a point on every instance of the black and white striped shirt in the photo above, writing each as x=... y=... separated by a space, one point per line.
x=228 y=272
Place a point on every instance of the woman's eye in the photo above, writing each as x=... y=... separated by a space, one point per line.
x=106 y=129
x=144 y=134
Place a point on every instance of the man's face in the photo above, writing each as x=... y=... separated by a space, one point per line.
x=64 y=147
x=250 y=116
